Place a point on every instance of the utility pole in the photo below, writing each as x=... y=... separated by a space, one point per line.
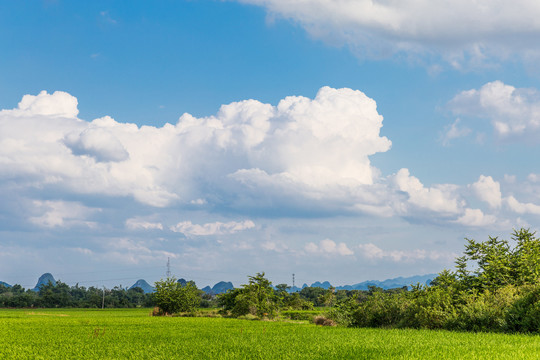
x=168 y=267
x=103 y=301
x=293 y=281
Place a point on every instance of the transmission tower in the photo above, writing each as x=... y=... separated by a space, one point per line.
x=168 y=267
x=293 y=281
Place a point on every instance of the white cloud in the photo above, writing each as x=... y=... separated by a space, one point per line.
x=61 y=214
x=303 y=156
x=216 y=228
x=438 y=198
x=510 y=179
x=58 y=104
x=137 y=224
x=274 y=246
x=513 y=112
x=373 y=252
x=98 y=143
x=83 y=251
x=488 y=190
x=454 y=131
x=460 y=31
x=522 y=208
x=314 y=147
x=533 y=178
x=329 y=247
x=128 y=251
x=476 y=218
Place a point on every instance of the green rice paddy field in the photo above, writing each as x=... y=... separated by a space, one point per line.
x=133 y=334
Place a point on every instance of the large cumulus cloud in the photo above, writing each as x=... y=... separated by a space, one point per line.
x=308 y=144
x=302 y=157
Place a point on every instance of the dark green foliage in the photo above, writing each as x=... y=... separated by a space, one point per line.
x=498 y=264
x=61 y=295
x=524 y=314
x=312 y=294
x=500 y=293
x=343 y=310
x=381 y=309
x=173 y=297
x=296 y=302
x=256 y=298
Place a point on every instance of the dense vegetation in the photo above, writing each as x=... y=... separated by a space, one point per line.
x=132 y=334
x=493 y=288
x=62 y=295
x=172 y=296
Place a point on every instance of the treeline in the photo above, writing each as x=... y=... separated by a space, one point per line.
x=259 y=299
x=494 y=287
x=63 y=295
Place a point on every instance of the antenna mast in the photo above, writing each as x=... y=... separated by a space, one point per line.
x=293 y=281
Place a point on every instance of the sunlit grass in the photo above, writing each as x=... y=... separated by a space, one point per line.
x=133 y=334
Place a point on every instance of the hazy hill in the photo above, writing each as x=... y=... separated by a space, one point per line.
x=44 y=280
x=141 y=283
x=385 y=284
x=219 y=288
x=391 y=283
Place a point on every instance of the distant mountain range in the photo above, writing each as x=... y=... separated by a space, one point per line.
x=385 y=284
x=219 y=288
x=223 y=286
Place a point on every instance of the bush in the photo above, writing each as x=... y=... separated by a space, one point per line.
x=485 y=311
x=428 y=308
x=172 y=297
x=524 y=314
x=256 y=298
x=379 y=310
x=343 y=310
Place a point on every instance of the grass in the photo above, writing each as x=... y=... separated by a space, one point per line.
x=132 y=334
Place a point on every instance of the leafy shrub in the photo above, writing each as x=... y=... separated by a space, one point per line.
x=428 y=308
x=342 y=312
x=379 y=310
x=172 y=297
x=484 y=311
x=524 y=314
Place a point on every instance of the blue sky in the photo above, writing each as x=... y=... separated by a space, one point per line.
x=339 y=141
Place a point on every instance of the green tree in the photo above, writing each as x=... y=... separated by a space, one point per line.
x=172 y=297
x=328 y=297
x=260 y=291
x=256 y=298
x=497 y=263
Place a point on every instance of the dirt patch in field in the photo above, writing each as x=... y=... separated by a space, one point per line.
x=45 y=314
